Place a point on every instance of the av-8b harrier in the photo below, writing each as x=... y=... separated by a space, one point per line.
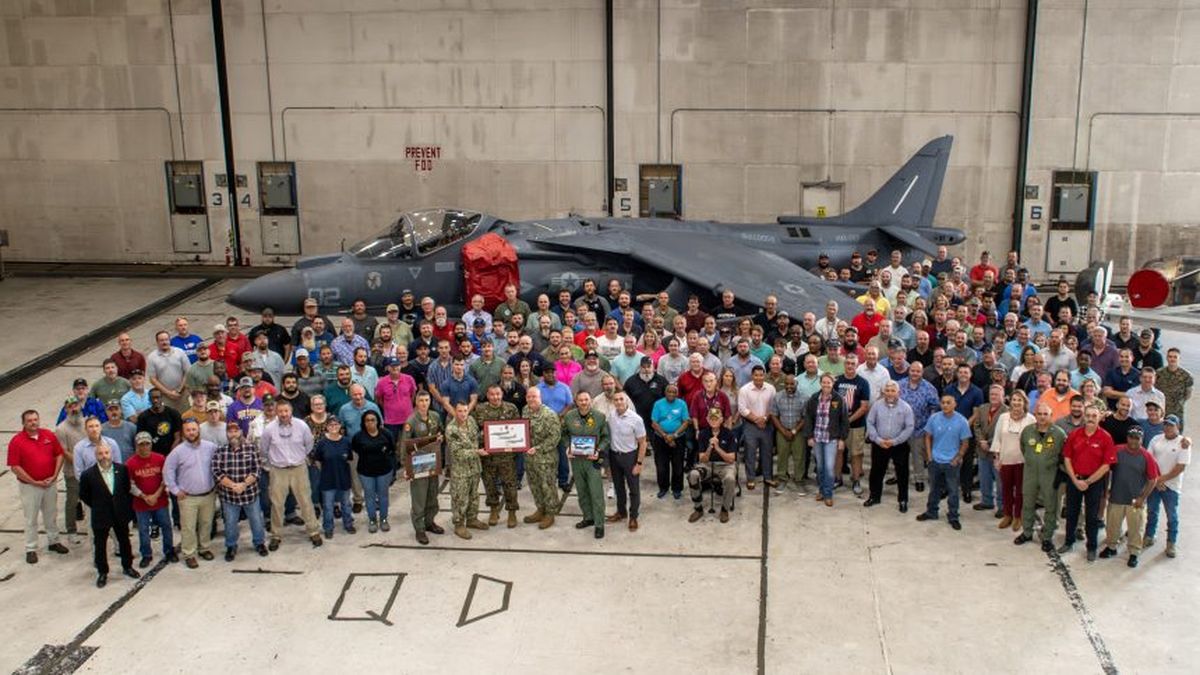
x=423 y=250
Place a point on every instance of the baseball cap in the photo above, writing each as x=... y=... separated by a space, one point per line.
x=212 y=405
x=647 y=361
x=591 y=355
x=823 y=255
x=245 y=382
x=856 y=254
x=784 y=315
x=393 y=307
x=1171 y=419
x=1147 y=333
x=1153 y=404
x=390 y=361
x=72 y=399
x=999 y=368
x=895 y=344
x=220 y=328
x=136 y=371
x=405 y=292
x=479 y=322
x=1135 y=431
x=113 y=404
x=302 y=353
x=268 y=398
x=833 y=343
x=79 y=382
x=143 y=437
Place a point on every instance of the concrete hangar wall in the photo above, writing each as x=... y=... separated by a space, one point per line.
x=766 y=106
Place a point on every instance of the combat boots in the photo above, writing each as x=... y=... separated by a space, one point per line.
x=476 y=524
x=535 y=517
x=546 y=521
x=462 y=531
x=512 y=519
x=494 y=516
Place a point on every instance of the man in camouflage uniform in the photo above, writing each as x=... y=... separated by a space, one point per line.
x=423 y=427
x=1176 y=385
x=501 y=466
x=463 y=441
x=583 y=421
x=545 y=430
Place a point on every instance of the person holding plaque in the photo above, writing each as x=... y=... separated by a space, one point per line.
x=585 y=434
x=463 y=443
x=498 y=467
x=716 y=456
x=422 y=434
x=542 y=463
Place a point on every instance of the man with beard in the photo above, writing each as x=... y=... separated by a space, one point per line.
x=236 y=471
x=105 y=488
x=278 y=339
x=189 y=477
x=290 y=391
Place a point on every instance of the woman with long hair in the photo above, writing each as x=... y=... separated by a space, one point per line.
x=1006 y=444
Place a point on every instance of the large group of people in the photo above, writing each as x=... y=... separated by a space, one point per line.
x=963 y=383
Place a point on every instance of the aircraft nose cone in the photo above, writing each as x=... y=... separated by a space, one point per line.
x=283 y=291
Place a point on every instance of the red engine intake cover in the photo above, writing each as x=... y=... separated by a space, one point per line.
x=1148 y=289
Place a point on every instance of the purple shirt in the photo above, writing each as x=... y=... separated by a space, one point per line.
x=243 y=413
x=189 y=468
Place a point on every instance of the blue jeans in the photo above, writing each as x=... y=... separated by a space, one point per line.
x=990 y=494
x=1170 y=501
x=162 y=518
x=375 y=494
x=231 y=512
x=564 y=467
x=943 y=477
x=328 y=498
x=825 y=454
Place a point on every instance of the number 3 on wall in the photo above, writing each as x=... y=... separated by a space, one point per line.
x=218 y=199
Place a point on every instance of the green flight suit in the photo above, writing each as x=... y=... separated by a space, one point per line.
x=545 y=430
x=588 y=485
x=501 y=467
x=463 y=441
x=1041 y=452
x=422 y=492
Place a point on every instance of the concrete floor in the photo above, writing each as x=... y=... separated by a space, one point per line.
x=788 y=586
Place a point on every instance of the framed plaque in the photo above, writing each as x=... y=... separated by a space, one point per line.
x=423 y=460
x=582 y=446
x=501 y=436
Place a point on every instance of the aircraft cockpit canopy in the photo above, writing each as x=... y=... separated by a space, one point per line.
x=418 y=233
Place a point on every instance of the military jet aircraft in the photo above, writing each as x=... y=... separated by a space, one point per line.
x=421 y=250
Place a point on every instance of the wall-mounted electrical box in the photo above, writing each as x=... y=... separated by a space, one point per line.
x=279 y=220
x=188 y=213
x=660 y=193
x=1072 y=221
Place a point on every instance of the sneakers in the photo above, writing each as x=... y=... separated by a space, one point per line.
x=1170 y=552
x=611 y=494
x=383 y=525
x=857 y=488
x=372 y=526
x=1147 y=542
x=1091 y=556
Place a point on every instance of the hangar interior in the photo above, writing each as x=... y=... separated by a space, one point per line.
x=342 y=114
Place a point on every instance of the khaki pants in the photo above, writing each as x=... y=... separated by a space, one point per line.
x=356 y=489
x=1134 y=518
x=41 y=501
x=195 y=523
x=294 y=479
x=791 y=454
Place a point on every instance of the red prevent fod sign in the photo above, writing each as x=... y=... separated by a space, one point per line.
x=422 y=156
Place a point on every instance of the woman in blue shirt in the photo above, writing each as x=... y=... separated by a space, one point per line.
x=331 y=455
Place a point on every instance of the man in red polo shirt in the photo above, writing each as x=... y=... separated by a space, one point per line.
x=1088 y=455
x=126 y=357
x=36 y=457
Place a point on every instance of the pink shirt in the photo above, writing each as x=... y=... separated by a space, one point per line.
x=395 y=398
x=566 y=371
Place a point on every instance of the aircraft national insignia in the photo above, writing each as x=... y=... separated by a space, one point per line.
x=374 y=280
x=567 y=280
x=414 y=271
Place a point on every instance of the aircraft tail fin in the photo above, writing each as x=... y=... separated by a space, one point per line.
x=908 y=199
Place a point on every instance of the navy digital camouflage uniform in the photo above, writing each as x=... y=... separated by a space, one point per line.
x=545 y=430
x=462 y=442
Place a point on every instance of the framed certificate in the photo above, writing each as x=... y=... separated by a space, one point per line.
x=423 y=460
x=582 y=446
x=501 y=436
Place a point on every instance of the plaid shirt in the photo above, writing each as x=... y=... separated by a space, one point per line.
x=789 y=408
x=237 y=464
x=821 y=423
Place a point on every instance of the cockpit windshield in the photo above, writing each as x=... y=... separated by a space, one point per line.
x=431 y=229
x=395 y=243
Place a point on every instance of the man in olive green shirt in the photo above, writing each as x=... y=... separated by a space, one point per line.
x=582 y=428
x=487 y=368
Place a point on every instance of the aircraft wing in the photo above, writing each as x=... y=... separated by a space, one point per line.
x=714 y=263
x=910 y=238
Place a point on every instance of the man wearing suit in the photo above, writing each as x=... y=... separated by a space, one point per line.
x=105 y=489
